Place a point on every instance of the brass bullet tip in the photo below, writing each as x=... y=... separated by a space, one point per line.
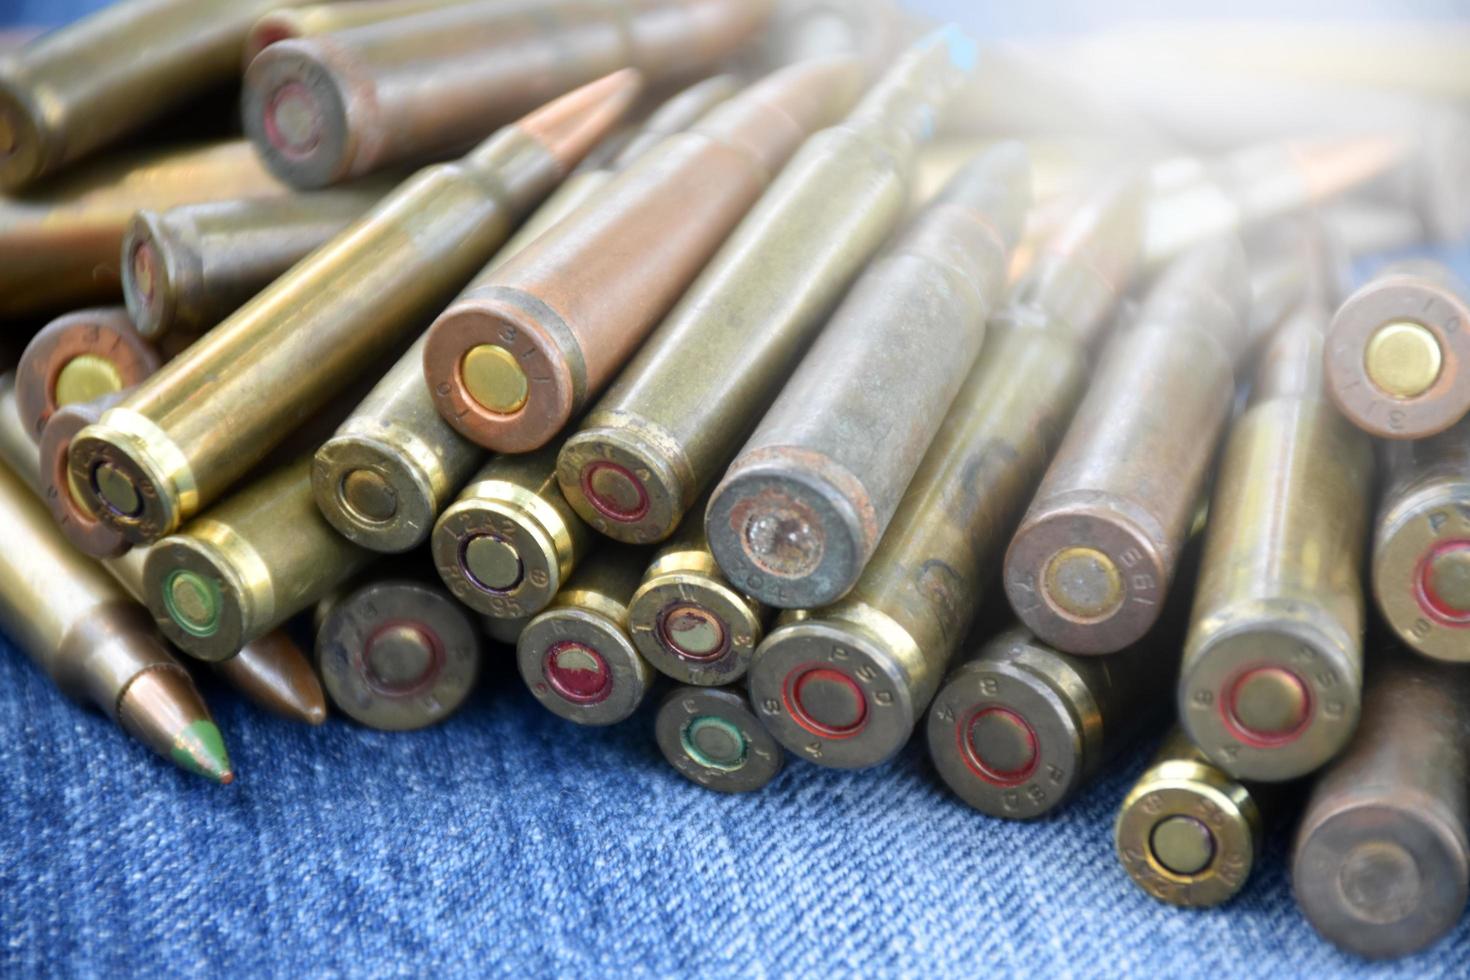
x=162 y=710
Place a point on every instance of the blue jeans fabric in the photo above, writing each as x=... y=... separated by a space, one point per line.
x=509 y=842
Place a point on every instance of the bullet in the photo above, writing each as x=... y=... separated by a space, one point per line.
x=678 y=412
x=1092 y=563
x=898 y=629
x=1200 y=199
x=271 y=672
x=1273 y=665
x=391 y=468
x=686 y=618
x=845 y=684
x=711 y=737
x=577 y=657
x=177 y=443
x=324 y=109
x=1187 y=833
x=59 y=244
x=801 y=510
x=398 y=654
x=79 y=358
x=74 y=90
x=1398 y=352
x=1421 y=546
x=510 y=541
x=316 y=19
x=274 y=674
x=1381 y=865
x=187 y=268
x=1019 y=728
x=519 y=354
x=247 y=565
x=97 y=646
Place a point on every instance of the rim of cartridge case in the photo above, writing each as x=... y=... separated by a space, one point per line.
x=1182 y=788
x=154 y=313
x=1391 y=299
x=180 y=554
x=1442 y=848
x=31 y=148
x=740 y=625
x=807 y=650
x=415 y=513
x=102 y=442
x=473 y=517
x=1405 y=542
x=626 y=684
x=105 y=333
x=813 y=497
x=763 y=759
x=1309 y=651
x=1110 y=527
x=663 y=491
x=86 y=532
x=441 y=691
x=313 y=67
x=551 y=370
x=1058 y=767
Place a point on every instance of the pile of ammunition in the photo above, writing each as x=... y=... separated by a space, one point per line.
x=734 y=354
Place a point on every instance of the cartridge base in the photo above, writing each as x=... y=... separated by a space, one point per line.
x=835 y=692
x=1420 y=332
x=627 y=479
x=529 y=551
x=297 y=118
x=1272 y=692
x=375 y=493
x=1417 y=542
x=582 y=666
x=77 y=523
x=196 y=597
x=693 y=627
x=131 y=475
x=712 y=737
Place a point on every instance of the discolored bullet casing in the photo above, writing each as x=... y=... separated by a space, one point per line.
x=1092 y=563
x=711 y=736
x=873 y=30
x=874 y=660
x=675 y=416
x=1381 y=865
x=801 y=510
x=576 y=656
x=59 y=245
x=391 y=468
x=510 y=541
x=316 y=19
x=686 y=618
x=79 y=358
x=1019 y=728
x=67 y=93
x=1421 y=546
x=1187 y=833
x=179 y=440
x=247 y=565
x=1398 y=352
x=323 y=109
x=519 y=354
x=76 y=521
x=1272 y=673
x=187 y=268
x=398 y=654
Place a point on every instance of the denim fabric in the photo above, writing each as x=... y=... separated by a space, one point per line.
x=509 y=842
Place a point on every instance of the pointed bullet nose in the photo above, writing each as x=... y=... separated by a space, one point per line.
x=572 y=125
x=274 y=673
x=1332 y=167
x=162 y=709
